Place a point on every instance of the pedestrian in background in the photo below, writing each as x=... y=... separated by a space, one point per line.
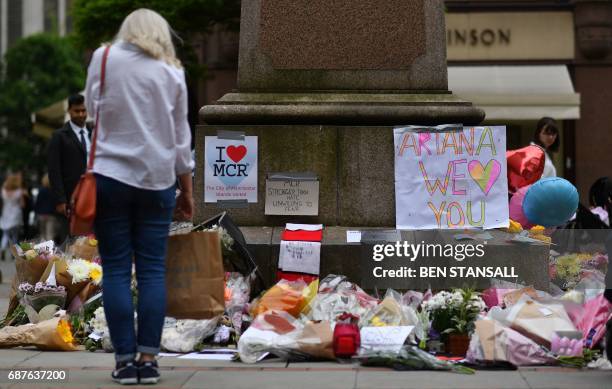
x=143 y=145
x=11 y=219
x=67 y=158
x=45 y=210
x=26 y=232
x=546 y=135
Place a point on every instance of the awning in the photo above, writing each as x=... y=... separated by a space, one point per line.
x=517 y=92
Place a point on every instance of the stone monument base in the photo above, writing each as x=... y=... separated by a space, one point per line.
x=339 y=257
x=426 y=107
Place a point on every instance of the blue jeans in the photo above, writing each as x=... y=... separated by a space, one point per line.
x=132 y=227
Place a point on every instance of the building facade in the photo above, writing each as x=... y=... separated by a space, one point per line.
x=519 y=60
x=523 y=59
x=20 y=18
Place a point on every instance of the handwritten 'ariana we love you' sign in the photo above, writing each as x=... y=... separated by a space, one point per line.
x=453 y=178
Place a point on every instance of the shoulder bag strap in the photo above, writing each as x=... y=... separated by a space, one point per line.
x=92 y=150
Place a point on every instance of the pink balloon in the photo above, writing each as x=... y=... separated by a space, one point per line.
x=516 y=207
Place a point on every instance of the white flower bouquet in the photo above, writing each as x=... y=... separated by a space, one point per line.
x=454 y=311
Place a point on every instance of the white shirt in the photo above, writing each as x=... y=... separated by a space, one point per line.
x=77 y=131
x=549 y=168
x=143 y=136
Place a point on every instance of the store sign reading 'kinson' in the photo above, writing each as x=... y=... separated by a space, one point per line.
x=477 y=37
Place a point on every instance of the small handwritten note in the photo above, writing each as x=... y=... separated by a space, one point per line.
x=390 y=338
x=292 y=197
x=303 y=257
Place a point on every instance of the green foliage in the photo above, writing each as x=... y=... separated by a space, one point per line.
x=39 y=70
x=16 y=318
x=455 y=312
x=97 y=21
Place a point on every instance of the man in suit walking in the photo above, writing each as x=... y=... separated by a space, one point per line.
x=67 y=159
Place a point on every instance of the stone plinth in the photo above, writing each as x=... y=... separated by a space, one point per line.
x=322 y=83
x=354 y=165
x=338 y=257
x=292 y=45
x=354 y=62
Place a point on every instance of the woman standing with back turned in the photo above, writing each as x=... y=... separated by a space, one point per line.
x=143 y=145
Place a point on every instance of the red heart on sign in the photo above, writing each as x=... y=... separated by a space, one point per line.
x=236 y=153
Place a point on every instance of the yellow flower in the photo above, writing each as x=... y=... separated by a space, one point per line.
x=514 y=227
x=377 y=322
x=95 y=272
x=537 y=229
x=64 y=331
x=96 y=276
x=568 y=266
x=93 y=242
x=31 y=254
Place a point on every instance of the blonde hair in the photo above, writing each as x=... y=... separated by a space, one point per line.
x=151 y=32
x=12 y=182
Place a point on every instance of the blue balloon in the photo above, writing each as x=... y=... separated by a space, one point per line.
x=550 y=202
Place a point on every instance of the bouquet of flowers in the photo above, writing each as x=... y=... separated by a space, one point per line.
x=80 y=277
x=82 y=271
x=454 y=311
x=85 y=247
x=566 y=271
x=237 y=291
x=42 y=294
x=31 y=260
x=53 y=334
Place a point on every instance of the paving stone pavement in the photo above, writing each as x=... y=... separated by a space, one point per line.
x=92 y=370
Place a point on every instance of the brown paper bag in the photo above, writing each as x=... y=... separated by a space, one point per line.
x=28 y=270
x=317 y=340
x=83 y=250
x=195 y=279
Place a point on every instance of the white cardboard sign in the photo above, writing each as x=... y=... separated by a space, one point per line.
x=292 y=197
x=302 y=257
x=451 y=179
x=230 y=169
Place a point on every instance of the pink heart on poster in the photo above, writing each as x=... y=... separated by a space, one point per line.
x=485 y=176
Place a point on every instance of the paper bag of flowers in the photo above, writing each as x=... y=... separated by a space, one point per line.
x=279 y=333
x=54 y=334
x=41 y=295
x=77 y=275
x=85 y=247
x=288 y=296
x=31 y=260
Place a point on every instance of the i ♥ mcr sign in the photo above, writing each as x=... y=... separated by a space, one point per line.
x=230 y=169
